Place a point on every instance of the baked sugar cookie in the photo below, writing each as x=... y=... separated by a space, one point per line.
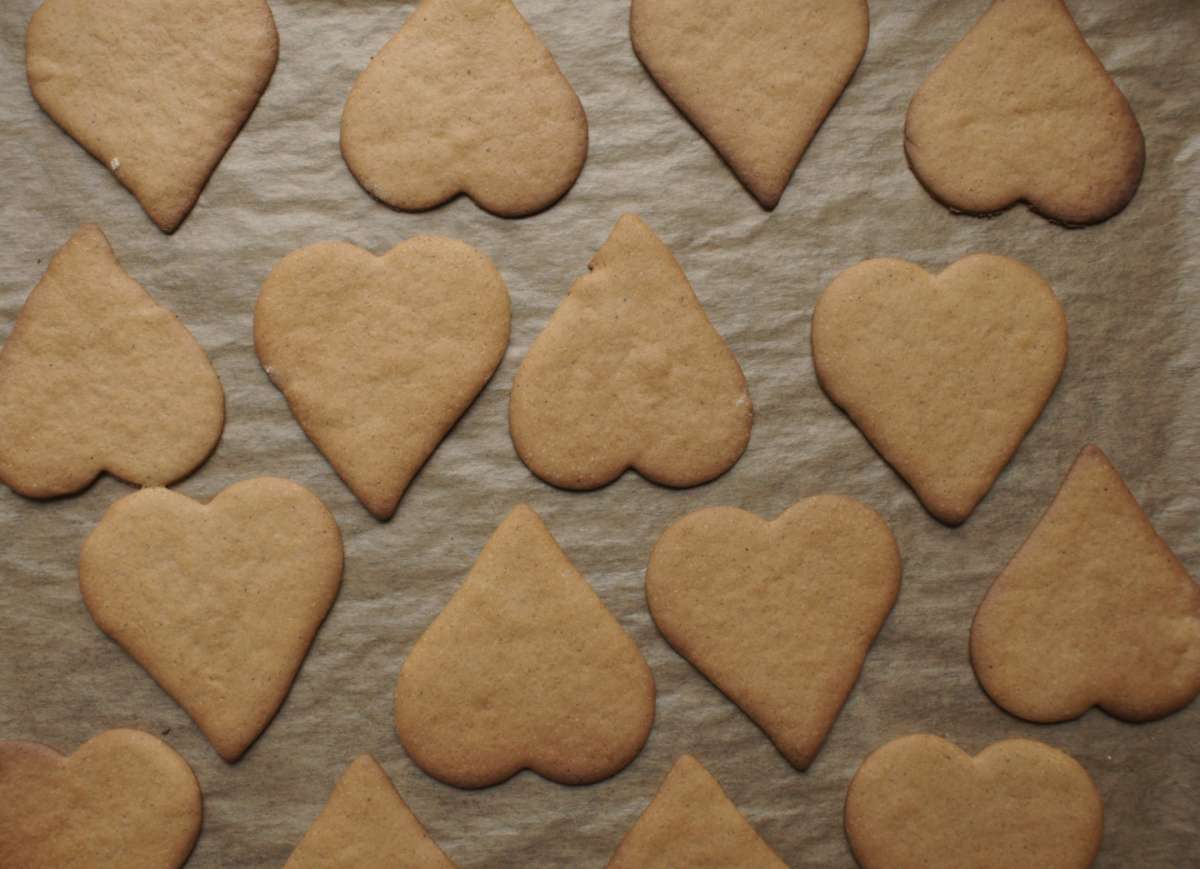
x=123 y=800
x=379 y=356
x=465 y=99
x=920 y=801
x=524 y=669
x=97 y=376
x=1022 y=110
x=779 y=615
x=156 y=90
x=691 y=824
x=944 y=373
x=629 y=373
x=366 y=825
x=1093 y=610
x=756 y=78
x=218 y=602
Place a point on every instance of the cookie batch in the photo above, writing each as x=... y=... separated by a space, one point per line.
x=944 y=370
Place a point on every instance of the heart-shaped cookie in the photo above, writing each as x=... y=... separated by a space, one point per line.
x=692 y=823
x=919 y=802
x=366 y=825
x=944 y=374
x=524 y=669
x=1093 y=610
x=379 y=356
x=629 y=373
x=1022 y=110
x=97 y=376
x=156 y=90
x=123 y=800
x=465 y=99
x=779 y=615
x=757 y=79
x=218 y=602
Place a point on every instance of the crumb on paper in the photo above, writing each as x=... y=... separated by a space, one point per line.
x=114 y=164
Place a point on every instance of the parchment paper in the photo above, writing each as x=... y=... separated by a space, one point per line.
x=1132 y=386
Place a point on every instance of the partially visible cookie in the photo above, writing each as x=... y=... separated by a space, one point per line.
x=756 y=78
x=692 y=824
x=630 y=373
x=524 y=669
x=920 y=802
x=465 y=99
x=219 y=601
x=1022 y=110
x=779 y=615
x=1093 y=610
x=156 y=90
x=123 y=800
x=366 y=825
x=943 y=373
x=97 y=376
x=378 y=357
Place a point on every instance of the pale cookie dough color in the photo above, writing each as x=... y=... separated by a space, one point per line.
x=379 y=356
x=630 y=373
x=123 y=800
x=366 y=825
x=218 y=602
x=943 y=373
x=919 y=802
x=524 y=669
x=692 y=824
x=1022 y=110
x=779 y=615
x=156 y=90
x=1093 y=610
x=97 y=376
x=756 y=77
x=465 y=99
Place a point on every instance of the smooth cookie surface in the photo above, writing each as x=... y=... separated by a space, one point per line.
x=630 y=373
x=524 y=669
x=692 y=824
x=218 y=602
x=1022 y=110
x=379 y=356
x=97 y=376
x=465 y=99
x=756 y=77
x=123 y=800
x=156 y=90
x=920 y=802
x=779 y=615
x=943 y=373
x=1093 y=610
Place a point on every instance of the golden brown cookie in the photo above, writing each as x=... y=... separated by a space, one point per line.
x=919 y=802
x=379 y=356
x=97 y=376
x=1022 y=110
x=1093 y=610
x=123 y=800
x=465 y=99
x=629 y=373
x=943 y=373
x=756 y=77
x=156 y=90
x=779 y=615
x=366 y=825
x=692 y=824
x=219 y=601
x=524 y=669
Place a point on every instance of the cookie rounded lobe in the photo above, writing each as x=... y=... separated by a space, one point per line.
x=123 y=800
x=465 y=99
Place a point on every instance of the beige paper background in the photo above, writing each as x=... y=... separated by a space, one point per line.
x=1132 y=385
